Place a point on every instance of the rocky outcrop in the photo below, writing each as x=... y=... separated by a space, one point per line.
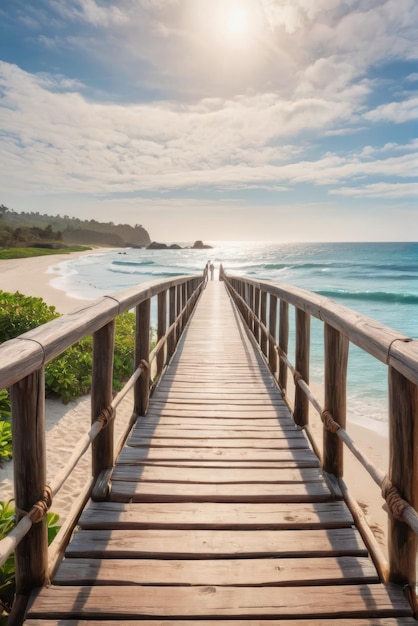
x=155 y=245
x=198 y=245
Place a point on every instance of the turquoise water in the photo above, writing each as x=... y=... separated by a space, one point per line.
x=379 y=280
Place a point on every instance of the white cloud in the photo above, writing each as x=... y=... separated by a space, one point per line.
x=380 y=190
x=90 y=12
x=397 y=112
x=58 y=141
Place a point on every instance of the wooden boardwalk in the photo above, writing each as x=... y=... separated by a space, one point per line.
x=218 y=512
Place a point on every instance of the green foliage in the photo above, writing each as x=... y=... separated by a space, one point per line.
x=7 y=571
x=68 y=376
x=124 y=349
x=22 y=253
x=5 y=441
x=5 y=428
x=42 y=226
x=4 y=405
x=19 y=313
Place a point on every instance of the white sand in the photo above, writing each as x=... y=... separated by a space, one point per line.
x=30 y=277
x=66 y=423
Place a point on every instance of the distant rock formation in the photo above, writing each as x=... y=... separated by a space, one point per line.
x=156 y=245
x=198 y=245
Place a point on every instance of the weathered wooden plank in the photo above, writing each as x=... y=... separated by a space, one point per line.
x=152 y=473
x=201 y=395
x=216 y=433
x=222 y=411
x=373 y=621
x=210 y=601
x=227 y=413
x=193 y=422
x=123 y=491
x=214 y=401
x=215 y=383
x=301 y=457
x=200 y=544
x=297 y=440
x=266 y=465
x=237 y=572
x=187 y=515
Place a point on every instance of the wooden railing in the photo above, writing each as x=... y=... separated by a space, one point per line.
x=22 y=362
x=264 y=307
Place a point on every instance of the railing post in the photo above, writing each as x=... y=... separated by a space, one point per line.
x=273 y=330
x=189 y=298
x=263 y=318
x=303 y=344
x=29 y=467
x=161 y=328
x=335 y=373
x=403 y=473
x=101 y=395
x=142 y=350
x=184 y=300
x=178 y=311
x=256 y=311
x=251 y=323
x=172 y=339
x=283 y=342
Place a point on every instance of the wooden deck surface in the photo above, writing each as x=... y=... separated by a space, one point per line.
x=218 y=511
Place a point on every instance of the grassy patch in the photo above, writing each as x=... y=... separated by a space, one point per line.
x=23 y=253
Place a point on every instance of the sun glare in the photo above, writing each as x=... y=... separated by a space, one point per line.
x=237 y=21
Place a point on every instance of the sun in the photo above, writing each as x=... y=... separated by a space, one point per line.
x=237 y=21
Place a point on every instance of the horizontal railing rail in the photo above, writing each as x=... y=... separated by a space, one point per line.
x=264 y=306
x=22 y=362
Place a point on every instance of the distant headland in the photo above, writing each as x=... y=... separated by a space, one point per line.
x=198 y=245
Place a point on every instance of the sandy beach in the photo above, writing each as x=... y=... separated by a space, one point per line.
x=32 y=278
x=65 y=424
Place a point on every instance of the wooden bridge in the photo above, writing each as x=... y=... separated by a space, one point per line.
x=217 y=510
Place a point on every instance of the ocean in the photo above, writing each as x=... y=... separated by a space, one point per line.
x=379 y=280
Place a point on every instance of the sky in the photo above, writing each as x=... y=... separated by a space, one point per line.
x=269 y=120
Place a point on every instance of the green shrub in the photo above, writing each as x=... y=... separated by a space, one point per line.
x=23 y=253
x=4 y=405
x=5 y=427
x=68 y=376
x=20 y=313
x=7 y=571
x=5 y=441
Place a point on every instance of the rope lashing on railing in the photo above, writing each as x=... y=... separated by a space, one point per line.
x=37 y=513
x=105 y=416
x=329 y=422
x=40 y=508
x=393 y=498
x=397 y=506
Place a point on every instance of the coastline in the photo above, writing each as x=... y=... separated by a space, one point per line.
x=31 y=276
x=66 y=423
